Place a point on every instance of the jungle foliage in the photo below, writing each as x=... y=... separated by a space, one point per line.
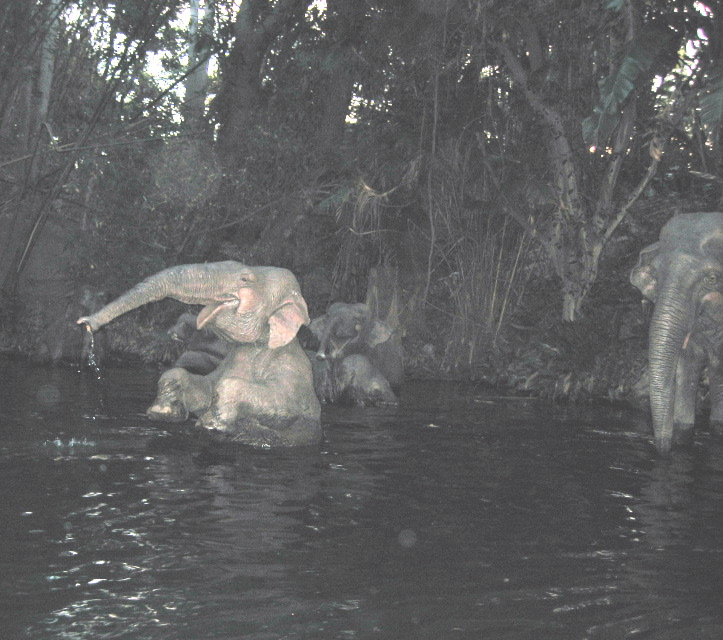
x=475 y=146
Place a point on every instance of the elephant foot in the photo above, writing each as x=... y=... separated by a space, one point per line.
x=178 y=394
x=371 y=398
x=211 y=421
x=683 y=435
x=252 y=433
x=167 y=410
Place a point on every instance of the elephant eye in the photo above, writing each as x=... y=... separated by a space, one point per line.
x=712 y=278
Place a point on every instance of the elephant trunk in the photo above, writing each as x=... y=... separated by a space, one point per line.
x=669 y=328
x=191 y=283
x=324 y=342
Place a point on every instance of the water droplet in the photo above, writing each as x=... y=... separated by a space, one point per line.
x=407 y=538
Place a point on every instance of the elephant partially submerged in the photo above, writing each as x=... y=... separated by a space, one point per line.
x=262 y=393
x=359 y=360
x=682 y=274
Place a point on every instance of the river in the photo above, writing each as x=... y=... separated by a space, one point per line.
x=458 y=514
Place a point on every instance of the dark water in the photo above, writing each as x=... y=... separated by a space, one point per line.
x=453 y=516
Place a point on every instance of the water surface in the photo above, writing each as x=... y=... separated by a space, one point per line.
x=456 y=515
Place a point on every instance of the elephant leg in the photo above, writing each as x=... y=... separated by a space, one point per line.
x=687 y=378
x=180 y=393
x=363 y=384
x=228 y=405
x=238 y=421
x=715 y=378
x=325 y=381
x=260 y=415
x=197 y=362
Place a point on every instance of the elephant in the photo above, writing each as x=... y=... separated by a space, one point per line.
x=203 y=350
x=262 y=393
x=359 y=360
x=682 y=274
x=62 y=341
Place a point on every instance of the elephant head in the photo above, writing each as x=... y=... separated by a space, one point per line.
x=241 y=304
x=682 y=274
x=346 y=329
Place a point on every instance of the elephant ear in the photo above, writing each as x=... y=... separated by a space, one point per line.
x=644 y=276
x=284 y=323
x=380 y=333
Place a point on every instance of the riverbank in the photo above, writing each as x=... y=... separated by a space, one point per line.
x=601 y=357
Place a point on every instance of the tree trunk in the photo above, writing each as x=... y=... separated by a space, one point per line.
x=240 y=94
x=346 y=27
x=32 y=126
x=199 y=35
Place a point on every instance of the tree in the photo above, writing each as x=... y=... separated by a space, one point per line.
x=200 y=40
x=48 y=128
x=584 y=211
x=258 y=23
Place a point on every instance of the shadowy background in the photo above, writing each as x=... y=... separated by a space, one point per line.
x=502 y=162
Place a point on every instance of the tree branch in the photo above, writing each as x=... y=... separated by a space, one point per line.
x=560 y=151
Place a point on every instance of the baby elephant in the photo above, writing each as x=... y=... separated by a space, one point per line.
x=204 y=350
x=359 y=360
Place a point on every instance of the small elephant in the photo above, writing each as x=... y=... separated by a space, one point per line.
x=359 y=360
x=262 y=393
x=203 y=351
x=63 y=340
x=682 y=274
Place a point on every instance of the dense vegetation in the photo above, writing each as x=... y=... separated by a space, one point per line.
x=507 y=160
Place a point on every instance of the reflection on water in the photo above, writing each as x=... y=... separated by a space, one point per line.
x=455 y=515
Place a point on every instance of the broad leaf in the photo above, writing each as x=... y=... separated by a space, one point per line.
x=630 y=76
x=711 y=104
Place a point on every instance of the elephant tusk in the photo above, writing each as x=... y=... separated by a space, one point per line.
x=209 y=312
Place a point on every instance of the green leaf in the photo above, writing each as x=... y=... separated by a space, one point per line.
x=615 y=5
x=711 y=103
x=630 y=76
x=336 y=198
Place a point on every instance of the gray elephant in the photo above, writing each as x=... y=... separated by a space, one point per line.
x=62 y=340
x=262 y=393
x=682 y=274
x=203 y=349
x=359 y=360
